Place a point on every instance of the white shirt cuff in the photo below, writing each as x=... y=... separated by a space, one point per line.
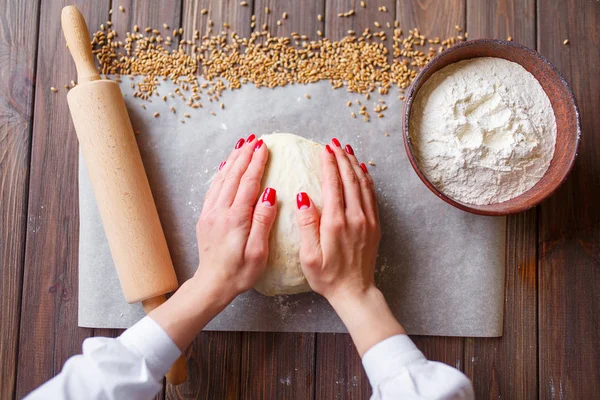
x=389 y=355
x=153 y=343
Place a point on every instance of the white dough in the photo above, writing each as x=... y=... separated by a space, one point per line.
x=294 y=166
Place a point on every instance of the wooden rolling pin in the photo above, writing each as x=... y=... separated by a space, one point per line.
x=129 y=216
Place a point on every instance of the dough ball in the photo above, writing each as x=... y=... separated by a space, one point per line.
x=294 y=166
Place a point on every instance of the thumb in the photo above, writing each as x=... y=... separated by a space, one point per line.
x=307 y=218
x=257 y=247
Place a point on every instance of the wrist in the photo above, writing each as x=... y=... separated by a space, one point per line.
x=214 y=295
x=342 y=298
x=367 y=316
x=189 y=310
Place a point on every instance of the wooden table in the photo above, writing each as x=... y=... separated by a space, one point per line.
x=552 y=313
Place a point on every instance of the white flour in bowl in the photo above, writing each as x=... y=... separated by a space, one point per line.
x=483 y=130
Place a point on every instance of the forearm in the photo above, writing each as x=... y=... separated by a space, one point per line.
x=367 y=317
x=130 y=366
x=189 y=310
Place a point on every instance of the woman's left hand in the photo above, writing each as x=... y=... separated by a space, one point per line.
x=233 y=243
x=233 y=229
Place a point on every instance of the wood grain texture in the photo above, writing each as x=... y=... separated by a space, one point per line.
x=147 y=14
x=500 y=19
x=448 y=350
x=337 y=27
x=433 y=18
x=18 y=47
x=301 y=17
x=340 y=374
x=507 y=367
x=213 y=368
x=569 y=222
x=105 y=332
x=49 y=332
x=219 y=12
x=278 y=365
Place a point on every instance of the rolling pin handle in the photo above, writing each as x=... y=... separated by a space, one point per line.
x=78 y=40
x=178 y=372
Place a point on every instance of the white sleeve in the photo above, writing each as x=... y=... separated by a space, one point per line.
x=398 y=370
x=128 y=367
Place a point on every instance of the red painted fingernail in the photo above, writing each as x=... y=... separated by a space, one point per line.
x=336 y=142
x=269 y=196
x=222 y=165
x=258 y=145
x=239 y=143
x=364 y=168
x=302 y=201
x=349 y=149
x=329 y=149
x=251 y=137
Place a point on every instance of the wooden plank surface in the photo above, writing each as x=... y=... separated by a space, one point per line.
x=301 y=17
x=219 y=12
x=569 y=226
x=500 y=19
x=18 y=47
x=146 y=14
x=213 y=368
x=49 y=332
x=337 y=27
x=431 y=17
x=277 y=365
x=340 y=374
x=448 y=350
x=507 y=367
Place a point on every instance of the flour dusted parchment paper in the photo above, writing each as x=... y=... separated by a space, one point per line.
x=441 y=269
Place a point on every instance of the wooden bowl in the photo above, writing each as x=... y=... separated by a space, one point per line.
x=568 y=130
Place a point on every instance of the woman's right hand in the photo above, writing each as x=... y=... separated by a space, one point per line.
x=338 y=249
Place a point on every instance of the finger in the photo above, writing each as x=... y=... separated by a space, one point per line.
x=257 y=246
x=368 y=202
x=250 y=182
x=215 y=187
x=234 y=173
x=350 y=186
x=363 y=166
x=333 y=199
x=307 y=218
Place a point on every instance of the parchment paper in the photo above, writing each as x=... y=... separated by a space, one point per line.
x=441 y=269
